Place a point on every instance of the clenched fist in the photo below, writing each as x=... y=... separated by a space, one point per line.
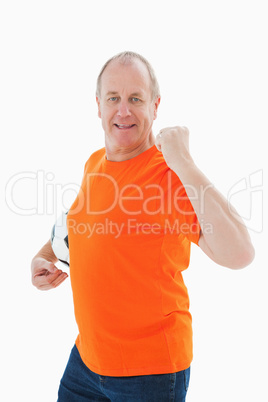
x=173 y=142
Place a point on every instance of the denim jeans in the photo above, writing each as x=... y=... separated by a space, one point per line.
x=79 y=384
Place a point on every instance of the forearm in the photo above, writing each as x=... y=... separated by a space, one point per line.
x=47 y=253
x=224 y=235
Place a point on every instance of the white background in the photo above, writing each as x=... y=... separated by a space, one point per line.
x=210 y=58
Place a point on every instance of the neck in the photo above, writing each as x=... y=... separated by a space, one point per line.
x=117 y=153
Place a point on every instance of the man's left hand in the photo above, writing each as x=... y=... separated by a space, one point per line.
x=173 y=142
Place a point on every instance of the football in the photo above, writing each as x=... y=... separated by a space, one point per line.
x=59 y=239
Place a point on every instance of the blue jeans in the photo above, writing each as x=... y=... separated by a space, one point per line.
x=79 y=384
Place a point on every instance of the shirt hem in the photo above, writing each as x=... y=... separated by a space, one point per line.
x=127 y=372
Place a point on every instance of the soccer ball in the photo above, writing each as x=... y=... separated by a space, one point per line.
x=59 y=239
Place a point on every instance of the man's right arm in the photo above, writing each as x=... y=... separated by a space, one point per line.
x=45 y=275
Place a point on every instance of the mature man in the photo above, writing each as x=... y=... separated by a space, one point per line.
x=140 y=199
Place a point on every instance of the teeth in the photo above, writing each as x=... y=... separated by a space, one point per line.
x=124 y=125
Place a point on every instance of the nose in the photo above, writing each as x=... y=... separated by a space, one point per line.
x=123 y=109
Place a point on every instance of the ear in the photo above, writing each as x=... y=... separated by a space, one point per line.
x=156 y=104
x=99 y=109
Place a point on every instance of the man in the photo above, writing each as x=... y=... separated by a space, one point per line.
x=142 y=202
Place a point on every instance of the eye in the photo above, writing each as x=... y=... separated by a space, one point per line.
x=112 y=99
x=135 y=100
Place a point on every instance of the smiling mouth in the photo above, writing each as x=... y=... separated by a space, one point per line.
x=124 y=126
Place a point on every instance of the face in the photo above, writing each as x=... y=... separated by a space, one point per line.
x=125 y=104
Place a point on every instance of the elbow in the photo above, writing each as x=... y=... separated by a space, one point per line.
x=243 y=257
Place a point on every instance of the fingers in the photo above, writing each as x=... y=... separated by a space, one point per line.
x=158 y=141
x=169 y=132
x=52 y=283
x=48 y=266
x=45 y=280
x=40 y=265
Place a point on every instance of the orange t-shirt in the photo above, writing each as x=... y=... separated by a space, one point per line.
x=130 y=231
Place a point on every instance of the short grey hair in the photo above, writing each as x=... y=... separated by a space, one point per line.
x=126 y=57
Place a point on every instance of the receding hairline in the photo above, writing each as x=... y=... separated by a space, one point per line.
x=129 y=57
